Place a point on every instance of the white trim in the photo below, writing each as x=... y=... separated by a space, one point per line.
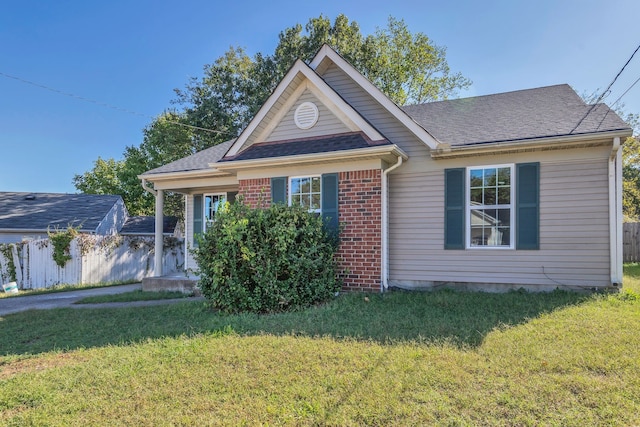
x=552 y=142
x=421 y=133
x=319 y=210
x=511 y=206
x=357 y=153
x=300 y=68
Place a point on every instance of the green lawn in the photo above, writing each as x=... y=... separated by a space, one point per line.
x=442 y=358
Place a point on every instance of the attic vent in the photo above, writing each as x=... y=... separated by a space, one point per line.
x=306 y=115
x=30 y=197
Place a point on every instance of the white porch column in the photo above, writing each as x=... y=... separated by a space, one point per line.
x=159 y=242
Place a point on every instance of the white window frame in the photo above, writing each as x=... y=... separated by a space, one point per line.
x=511 y=206
x=319 y=210
x=205 y=219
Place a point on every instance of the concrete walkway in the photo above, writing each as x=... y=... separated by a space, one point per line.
x=68 y=298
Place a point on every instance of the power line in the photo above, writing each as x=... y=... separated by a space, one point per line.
x=113 y=107
x=605 y=91
x=616 y=101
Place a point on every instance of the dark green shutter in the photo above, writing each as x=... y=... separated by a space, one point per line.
x=330 y=200
x=454 y=206
x=197 y=217
x=279 y=190
x=528 y=206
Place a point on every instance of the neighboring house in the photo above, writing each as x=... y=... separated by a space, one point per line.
x=145 y=226
x=518 y=189
x=31 y=215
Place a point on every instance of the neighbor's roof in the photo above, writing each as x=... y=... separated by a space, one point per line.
x=197 y=161
x=42 y=211
x=147 y=225
x=314 y=145
x=550 y=111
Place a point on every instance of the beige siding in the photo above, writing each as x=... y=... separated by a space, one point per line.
x=273 y=112
x=574 y=231
x=328 y=123
x=375 y=113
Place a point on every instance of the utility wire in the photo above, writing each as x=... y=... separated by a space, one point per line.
x=113 y=107
x=616 y=101
x=605 y=91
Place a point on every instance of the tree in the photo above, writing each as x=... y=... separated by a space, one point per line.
x=631 y=170
x=408 y=67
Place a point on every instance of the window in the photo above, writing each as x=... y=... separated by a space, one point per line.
x=492 y=207
x=212 y=203
x=306 y=192
x=489 y=207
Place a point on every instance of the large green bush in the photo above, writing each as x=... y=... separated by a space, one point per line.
x=266 y=260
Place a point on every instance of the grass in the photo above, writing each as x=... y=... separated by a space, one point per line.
x=441 y=358
x=62 y=288
x=137 y=295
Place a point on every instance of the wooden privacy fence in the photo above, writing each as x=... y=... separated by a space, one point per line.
x=94 y=259
x=631 y=241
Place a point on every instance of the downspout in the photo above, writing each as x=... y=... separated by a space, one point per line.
x=159 y=238
x=385 y=224
x=615 y=213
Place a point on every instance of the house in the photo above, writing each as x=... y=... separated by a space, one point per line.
x=25 y=216
x=517 y=189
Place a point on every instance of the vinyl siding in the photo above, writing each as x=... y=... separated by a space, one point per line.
x=574 y=231
x=377 y=115
x=328 y=123
x=278 y=105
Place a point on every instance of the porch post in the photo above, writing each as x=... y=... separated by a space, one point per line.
x=159 y=240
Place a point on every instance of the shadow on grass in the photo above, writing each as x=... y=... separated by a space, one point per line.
x=460 y=318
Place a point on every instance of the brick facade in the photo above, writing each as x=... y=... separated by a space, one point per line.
x=360 y=215
x=360 y=212
x=256 y=192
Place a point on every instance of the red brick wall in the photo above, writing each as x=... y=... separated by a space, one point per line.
x=360 y=212
x=256 y=192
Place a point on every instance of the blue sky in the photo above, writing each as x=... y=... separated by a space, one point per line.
x=132 y=54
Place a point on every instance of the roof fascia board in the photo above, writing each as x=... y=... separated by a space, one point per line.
x=315 y=157
x=568 y=141
x=421 y=133
x=198 y=173
x=322 y=90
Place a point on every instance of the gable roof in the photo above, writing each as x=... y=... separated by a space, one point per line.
x=147 y=225
x=42 y=211
x=551 y=111
x=326 y=56
x=315 y=145
x=321 y=89
x=194 y=162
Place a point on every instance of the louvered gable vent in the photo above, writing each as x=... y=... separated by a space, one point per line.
x=306 y=115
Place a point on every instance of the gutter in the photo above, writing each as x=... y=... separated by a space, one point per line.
x=553 y=142
x=615 y=213
x=385 y=224
x=373 y=152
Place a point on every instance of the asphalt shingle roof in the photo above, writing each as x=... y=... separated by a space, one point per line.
x=532 y=113
x=551 y=111
x=316 y=145
x=41 y=211
x=197 y=161
x=147 y=225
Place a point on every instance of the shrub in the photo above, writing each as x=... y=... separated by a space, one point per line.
x=266 y=260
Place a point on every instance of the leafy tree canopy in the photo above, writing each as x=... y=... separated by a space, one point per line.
x=407 y=67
